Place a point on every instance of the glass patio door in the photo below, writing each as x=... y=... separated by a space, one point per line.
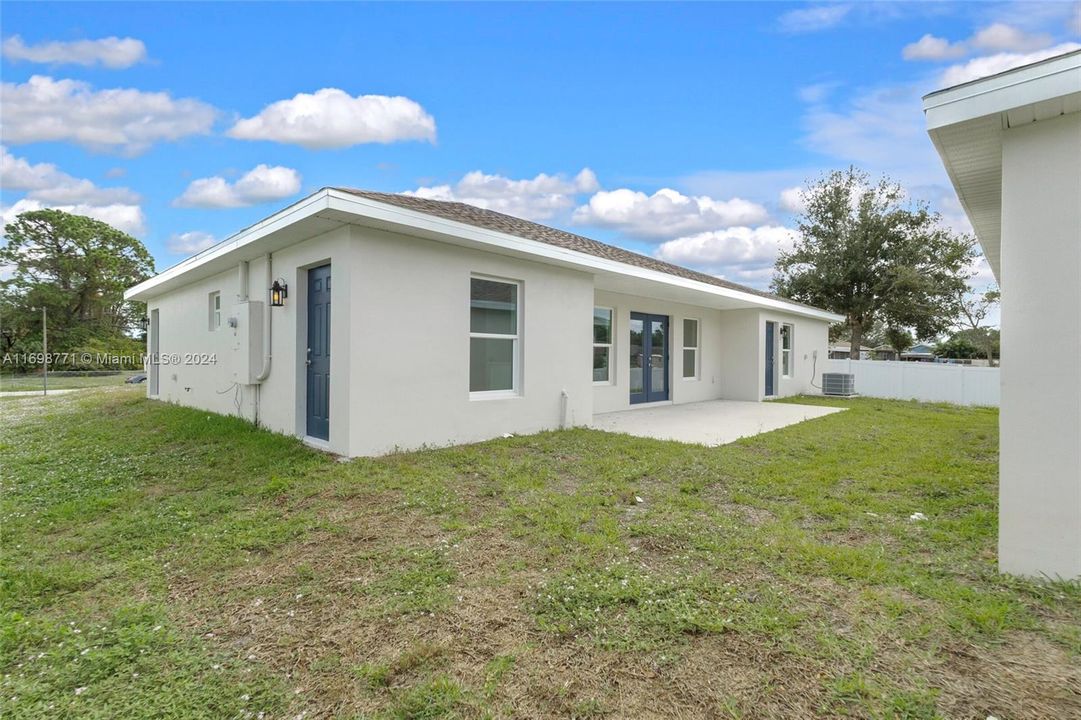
x=649 y=357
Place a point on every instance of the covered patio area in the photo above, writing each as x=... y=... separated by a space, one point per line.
x=710 y=423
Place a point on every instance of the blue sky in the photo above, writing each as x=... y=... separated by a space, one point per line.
x=682 y=131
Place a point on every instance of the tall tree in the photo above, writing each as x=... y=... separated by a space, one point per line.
x=974 y=311
x=76 y=267
x=899 y=339
x=959 y=346
x=867 y=253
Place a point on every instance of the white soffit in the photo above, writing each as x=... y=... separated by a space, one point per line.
x=966 y=123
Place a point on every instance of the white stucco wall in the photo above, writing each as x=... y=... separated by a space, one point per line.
x=400 y=345
x=742 y=355
x=184 y=327
x=1040 y=420
x=183 y=317
x=810 y=351
x=411 y=345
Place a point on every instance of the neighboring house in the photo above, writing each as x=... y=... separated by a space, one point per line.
x=1011 y=144
x=884 y=352
x=923 y=352
x=842 y=350
x=454 y=324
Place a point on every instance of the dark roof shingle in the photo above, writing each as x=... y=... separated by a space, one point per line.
x=499 y=222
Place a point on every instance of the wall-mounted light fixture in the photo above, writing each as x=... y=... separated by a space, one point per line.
x=144 y=322
x=278 y=292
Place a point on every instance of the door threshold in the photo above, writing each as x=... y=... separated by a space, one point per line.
x=315 y=442
x=655 y=403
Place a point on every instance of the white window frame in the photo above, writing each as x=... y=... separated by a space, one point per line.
x=516 y=353
x=610 y=345
x=214 y=320
x=695 y=348
x=787 y=369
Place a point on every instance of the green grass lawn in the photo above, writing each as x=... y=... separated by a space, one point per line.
x=165 y=562
x=19 y=383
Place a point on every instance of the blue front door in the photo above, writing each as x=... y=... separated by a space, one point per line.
x=318 y=359
x=649 y=357
x=771 y=331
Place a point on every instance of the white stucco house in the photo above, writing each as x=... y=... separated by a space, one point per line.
x=1011 y=144
x=454 y=324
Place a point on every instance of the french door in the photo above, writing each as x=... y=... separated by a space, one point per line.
x=649 y=357
x=771 y=357
x=318 y=355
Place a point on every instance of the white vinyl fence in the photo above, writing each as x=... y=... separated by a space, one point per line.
x=929 y=382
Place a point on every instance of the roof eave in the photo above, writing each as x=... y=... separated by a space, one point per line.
x=360 y=208
x=365 y=207
x=246 y=238
x=983 y=108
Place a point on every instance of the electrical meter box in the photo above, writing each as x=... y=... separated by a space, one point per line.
x=247 y=360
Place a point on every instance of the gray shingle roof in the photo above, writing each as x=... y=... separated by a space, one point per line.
x=492 y=220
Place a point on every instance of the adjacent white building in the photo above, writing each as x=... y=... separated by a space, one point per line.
x=400 y=322
x=1011 y=144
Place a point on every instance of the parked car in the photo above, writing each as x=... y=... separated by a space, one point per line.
x=137 y=378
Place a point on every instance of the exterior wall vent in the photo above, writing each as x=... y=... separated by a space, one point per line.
x=843 y=384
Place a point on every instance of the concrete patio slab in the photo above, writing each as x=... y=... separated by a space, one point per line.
x=710 y=423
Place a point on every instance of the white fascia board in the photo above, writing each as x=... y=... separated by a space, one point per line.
x=364 y=207
x=305 y=208
x=1051 y=78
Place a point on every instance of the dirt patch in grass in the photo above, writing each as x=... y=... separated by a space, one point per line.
x=1024 y=676
x=749 y=514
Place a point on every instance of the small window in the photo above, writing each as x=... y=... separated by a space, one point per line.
x=690 y=349
x=602 y=345
x=215 y=310
x=786 y=350
x=494 y=310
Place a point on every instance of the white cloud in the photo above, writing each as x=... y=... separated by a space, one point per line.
x=666 y=213
x=930 y=47
x=792 y=200
x=46 y=182
x=812 y=19
x=738 y=253
x=997 y=37
x=829 y=15
x=880 y=129
x=127 y=120
x=128 y=218
x=982 y=278
x=261 y=184
x=331 y=118
x=538 y=198
x=1000 y=62
x=1003 y=37
x=189 y=243
x=112 y=52
x=941 y=197
x=816 y=92
x=46 y=186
